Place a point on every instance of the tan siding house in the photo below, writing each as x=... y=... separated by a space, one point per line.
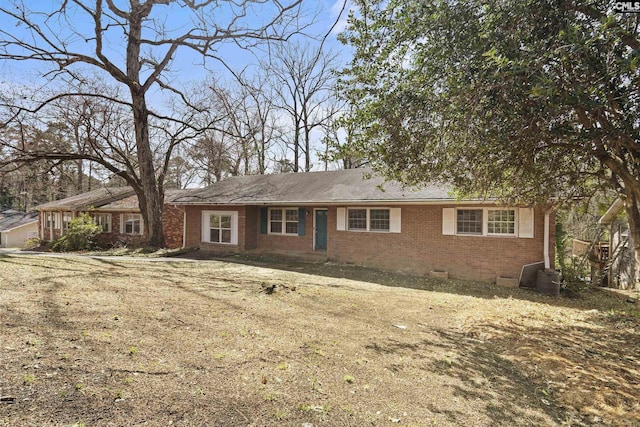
x=17 y=227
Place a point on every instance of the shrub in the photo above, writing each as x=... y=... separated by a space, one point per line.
x=32 y=243
x=80 y=235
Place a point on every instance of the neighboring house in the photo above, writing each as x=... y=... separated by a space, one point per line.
x=17 y=227
x=618 y=261
x=342 y=217
x=115 y=210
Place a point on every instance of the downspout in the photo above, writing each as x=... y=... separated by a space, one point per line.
x=547 y=262
x=184 y=226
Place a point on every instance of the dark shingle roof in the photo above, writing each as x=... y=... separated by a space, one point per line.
x=131 y=202
x=94 y=198
x=312 y=187
x=13 y=219
x=114 y=198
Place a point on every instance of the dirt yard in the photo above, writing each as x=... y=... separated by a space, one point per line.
x=115 y=342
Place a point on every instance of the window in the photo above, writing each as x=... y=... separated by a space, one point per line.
x=66 y=219
x=51 y=219
x=361 y=219
x=132 y=223
x=501 y=221
x=358 y=219
x=104 y=221
x=283 y=221
x=379 y=219
x=490 y=221
x=220 y=227
x=469 y=221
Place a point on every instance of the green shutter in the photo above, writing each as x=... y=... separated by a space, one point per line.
x=264 y=212
x=302 y=221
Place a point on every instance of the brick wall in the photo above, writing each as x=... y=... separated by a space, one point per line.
x=172 y=225
x=288 y=243
x=419 y=248
x=193 y=237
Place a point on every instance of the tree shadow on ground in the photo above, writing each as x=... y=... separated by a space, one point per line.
x=590 y=299
x=582 y=376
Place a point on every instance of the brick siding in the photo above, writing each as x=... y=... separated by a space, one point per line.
x=419 y=248
x=172 y=225
x=193 y=238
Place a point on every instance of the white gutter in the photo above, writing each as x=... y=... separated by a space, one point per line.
x=184 y=228
x=547 y=262
x=380 y=202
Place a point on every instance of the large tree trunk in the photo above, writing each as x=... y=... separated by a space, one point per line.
x=633 y=216
x=151 y=197
x=151 y=194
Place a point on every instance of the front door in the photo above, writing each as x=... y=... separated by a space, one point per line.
x=320 y=230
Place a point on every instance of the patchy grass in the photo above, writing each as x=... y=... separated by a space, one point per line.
x=143 y=252
x=121 y=342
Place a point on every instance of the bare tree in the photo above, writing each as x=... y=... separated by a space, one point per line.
x=305 y=78
x=61 y=41
x=338 y=140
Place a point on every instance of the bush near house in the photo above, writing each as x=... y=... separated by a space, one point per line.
x=80 y=235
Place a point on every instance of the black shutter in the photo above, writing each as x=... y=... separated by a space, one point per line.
x=302 y=221
x=264 y=212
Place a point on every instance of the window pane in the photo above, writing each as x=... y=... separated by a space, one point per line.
x=292 y=228
x=276 y=227
x=226 y=236
x=104 y=221
x=133 y=224
x=215 y=235
x=292 y=214
x=469 y=221
x=276 y=214
x=225 y=221
x=379 y=219
x=66 y=219
x=214 y=221
x=501 y=221
x=357 y=219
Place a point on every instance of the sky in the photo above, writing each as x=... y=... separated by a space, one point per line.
x=186 y=68
x=187 y=64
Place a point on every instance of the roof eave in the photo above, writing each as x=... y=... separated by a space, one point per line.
x=6 y=230
x=339 y=202
x=613 y=211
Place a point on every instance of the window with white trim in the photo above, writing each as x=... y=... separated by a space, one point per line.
x=485 y=221
x=469 y=221
x=283 y=221
x=220 y=227
x=51 y=219
x=132 y=223
x=368 y=219
x=66 y=219
x=357 y=219
x=501 y=221
x=103 y=220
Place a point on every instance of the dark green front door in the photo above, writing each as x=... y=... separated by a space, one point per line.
x=321 y=230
